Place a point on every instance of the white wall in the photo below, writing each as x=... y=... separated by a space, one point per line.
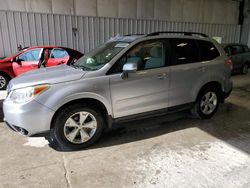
x=203 y=11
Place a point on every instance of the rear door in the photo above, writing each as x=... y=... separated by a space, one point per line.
x=189 y=68
x=57 y=56
x=27 y=61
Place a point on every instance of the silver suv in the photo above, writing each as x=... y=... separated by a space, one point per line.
x=128 y=77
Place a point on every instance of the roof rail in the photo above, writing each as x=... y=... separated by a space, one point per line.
x=178 y=32
x=127 y=35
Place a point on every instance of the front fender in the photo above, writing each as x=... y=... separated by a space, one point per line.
x=60 y=94
x=85 y=95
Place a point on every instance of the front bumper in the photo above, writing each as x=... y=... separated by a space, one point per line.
x=28 y=119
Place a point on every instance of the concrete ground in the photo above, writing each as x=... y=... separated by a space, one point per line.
x=181 y=153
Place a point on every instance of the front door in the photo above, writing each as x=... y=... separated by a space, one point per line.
x=27 y=61
x=146 y=89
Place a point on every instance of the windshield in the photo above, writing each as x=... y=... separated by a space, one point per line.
x=100 y=56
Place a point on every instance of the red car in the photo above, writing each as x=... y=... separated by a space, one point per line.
x=34 y=58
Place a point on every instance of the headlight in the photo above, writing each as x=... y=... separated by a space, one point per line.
x=25 y=95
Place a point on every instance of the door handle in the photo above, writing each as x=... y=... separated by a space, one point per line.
x=162 y=76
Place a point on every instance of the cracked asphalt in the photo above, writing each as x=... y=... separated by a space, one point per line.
x=175 y=151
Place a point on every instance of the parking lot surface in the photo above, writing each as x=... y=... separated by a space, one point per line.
x=173 y=152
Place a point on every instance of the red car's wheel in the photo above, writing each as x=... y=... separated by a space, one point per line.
x=4 y=80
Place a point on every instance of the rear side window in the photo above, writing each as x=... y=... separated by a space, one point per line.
x=184 y=51
x=207 y=50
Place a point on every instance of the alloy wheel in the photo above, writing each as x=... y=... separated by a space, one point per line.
x=2 y=82
x=208 y=103
x=80 y=127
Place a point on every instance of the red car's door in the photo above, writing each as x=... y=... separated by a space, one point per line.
x=57 y=56
x=27 y=61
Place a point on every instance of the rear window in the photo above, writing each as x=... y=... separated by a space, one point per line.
x=208 y=51
x=184 y=51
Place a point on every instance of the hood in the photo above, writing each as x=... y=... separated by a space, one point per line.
x=51 y=75
x=7 y=59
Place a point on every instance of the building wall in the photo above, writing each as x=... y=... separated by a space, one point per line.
x=85 y=32
x=202 y=11
x=245 y=31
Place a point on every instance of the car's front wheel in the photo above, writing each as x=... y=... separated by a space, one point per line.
x=4 y=80
x=206 y=104
x=77 y=127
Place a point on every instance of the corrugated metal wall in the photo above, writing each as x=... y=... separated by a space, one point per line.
x=245 y=34
x=84 y=33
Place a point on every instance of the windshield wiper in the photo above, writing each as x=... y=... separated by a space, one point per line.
x=81 y=67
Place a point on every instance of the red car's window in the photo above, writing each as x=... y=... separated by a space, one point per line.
x=31 y=55
x=58 y=53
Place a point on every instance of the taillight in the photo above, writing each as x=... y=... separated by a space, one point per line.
x=229 y=63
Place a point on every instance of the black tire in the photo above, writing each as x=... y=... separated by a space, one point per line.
x=57 y=133
x=197 y=110
x=244 y=69
x=4 y=80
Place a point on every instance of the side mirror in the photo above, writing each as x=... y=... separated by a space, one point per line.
x=129 y=67
x=18 y=61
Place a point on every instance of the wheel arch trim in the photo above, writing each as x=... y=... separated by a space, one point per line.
x=211 y=84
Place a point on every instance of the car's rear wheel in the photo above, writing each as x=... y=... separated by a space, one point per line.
x=77 y=127
x=4 y=80
x=206 y=104
x=244 y=69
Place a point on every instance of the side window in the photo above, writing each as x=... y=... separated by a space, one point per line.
x=207 y=50
x=58 y=53
x=31 y=55
x=147 y=55
x=184 y=51
x=236 y=50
